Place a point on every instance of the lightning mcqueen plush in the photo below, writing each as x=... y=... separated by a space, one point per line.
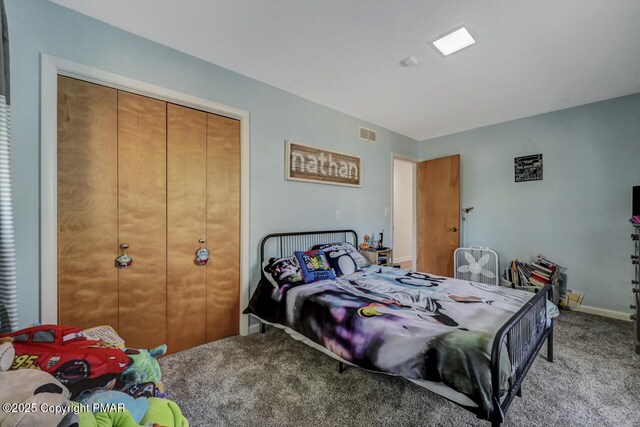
x=64 y=352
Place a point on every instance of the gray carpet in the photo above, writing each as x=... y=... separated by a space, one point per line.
x=272 y=380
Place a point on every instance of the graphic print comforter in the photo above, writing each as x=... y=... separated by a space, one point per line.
x=430 y=329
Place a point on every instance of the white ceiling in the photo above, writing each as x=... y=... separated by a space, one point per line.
x=530 y=57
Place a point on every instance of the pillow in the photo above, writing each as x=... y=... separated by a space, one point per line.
x=314 y=266
x=280 y=271
x=360 y=260
x=341 y=261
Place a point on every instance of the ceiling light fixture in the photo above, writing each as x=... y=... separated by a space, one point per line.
x=452 y=41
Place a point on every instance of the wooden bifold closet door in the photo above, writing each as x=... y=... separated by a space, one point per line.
x=87 y=204
x=159 y=178
x=187 y=222
x=142 y=218
x=223 y=226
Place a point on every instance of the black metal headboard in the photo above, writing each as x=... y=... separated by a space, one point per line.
x=284 y=244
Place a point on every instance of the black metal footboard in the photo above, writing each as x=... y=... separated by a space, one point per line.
x=522 y=338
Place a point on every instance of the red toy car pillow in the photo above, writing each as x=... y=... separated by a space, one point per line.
x=64 y=352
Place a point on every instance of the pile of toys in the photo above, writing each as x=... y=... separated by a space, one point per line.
x=64 y=376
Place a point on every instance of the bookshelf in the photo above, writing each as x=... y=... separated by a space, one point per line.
x=635 y=260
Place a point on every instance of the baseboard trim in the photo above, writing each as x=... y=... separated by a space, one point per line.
x=605 y=313
x=402 y=259
x=254 y=329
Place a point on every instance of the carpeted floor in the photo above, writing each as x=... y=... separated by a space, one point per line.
x=272 y=380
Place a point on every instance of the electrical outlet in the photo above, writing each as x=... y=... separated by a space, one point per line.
x=338 y=215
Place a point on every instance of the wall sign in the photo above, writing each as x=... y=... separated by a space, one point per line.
x=528 y=168
x=310 y=164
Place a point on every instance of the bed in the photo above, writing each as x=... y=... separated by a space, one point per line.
x=471 y=343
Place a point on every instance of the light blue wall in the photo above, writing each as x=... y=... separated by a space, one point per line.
x=39 y=26
x=578 y=213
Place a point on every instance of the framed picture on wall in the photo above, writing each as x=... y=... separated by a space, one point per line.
x=528 y=168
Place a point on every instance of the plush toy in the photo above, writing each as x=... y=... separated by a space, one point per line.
x=144 y=366
x=77 y=362
x=104 y=398
x=142 y=373
x=7 y=353
x=161 y=412
x=34 y=388
x=106 y=419
x=365 y=244
x=165 y=413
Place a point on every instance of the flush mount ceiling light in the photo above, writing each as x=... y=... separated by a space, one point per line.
x=452 y=41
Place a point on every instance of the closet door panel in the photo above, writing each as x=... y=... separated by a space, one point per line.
x=186 y=225
x=223 y=226
x=87 y=204
x=142 y=154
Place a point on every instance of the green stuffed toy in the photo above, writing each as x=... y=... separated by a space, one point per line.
x=165 y=413
x=143 y=373
x=106 y=419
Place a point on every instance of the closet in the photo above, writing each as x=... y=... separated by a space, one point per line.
x=157 y=181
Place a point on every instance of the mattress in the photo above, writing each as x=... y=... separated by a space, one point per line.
x=435 y=331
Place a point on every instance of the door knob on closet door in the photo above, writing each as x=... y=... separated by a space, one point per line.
x=124 y=260
x=202 y=254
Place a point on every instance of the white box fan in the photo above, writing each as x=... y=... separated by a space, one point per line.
x=476 y=264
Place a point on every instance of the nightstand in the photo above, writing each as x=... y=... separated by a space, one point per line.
x=379 y=256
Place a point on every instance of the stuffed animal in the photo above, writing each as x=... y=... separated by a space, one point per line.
x=106 y=419
x=161 y=412
x=7 y=353
x=34 y=388
x=365 y=244
x=142 y=372
x=105 y=398
x=165 y=413
x=64 y=352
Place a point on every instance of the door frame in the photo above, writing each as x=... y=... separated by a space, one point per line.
x=414 y=226
x=50 y=68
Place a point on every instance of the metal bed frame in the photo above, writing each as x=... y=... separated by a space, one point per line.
x=522 y=335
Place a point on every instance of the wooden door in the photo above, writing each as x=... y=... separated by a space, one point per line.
x=142 y=211
x=186 y=225
x=223 y=226
x=438 y=214
x=87 y=204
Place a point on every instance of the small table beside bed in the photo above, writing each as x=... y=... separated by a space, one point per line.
x=471 y=343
